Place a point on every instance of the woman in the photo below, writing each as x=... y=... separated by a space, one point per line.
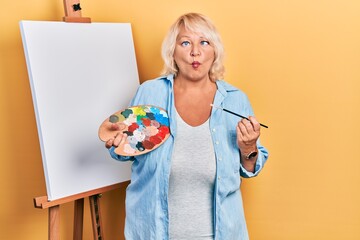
x=188 y=188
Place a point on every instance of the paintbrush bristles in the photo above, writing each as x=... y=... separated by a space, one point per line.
x=216 y=106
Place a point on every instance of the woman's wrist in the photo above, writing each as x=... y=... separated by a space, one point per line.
x=248 y=159
x=249 y=153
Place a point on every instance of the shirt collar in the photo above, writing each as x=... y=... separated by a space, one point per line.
x=224 y=87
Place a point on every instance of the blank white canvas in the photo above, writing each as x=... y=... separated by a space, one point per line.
x=80 y=73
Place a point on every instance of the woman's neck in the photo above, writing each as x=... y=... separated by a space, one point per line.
x=187 y=84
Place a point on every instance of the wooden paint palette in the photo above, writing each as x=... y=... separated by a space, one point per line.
x=146 y=126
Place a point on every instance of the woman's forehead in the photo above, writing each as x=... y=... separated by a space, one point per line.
x=187 y=32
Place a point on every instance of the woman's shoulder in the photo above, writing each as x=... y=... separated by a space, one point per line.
x=155 y=82
x=153 y=92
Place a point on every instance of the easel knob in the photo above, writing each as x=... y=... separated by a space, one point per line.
x=73 y=12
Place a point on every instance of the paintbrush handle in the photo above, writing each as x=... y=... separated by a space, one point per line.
x=242 y=117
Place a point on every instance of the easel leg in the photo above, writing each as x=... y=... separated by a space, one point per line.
x=78 y=219
x=54 y=223
x=96 y=217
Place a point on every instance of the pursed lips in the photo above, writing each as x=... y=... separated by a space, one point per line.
x=195 y=64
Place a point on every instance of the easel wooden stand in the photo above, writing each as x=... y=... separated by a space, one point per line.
x=54 y=212
x=73 y=14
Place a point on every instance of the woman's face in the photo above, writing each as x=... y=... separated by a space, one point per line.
x=193 y=55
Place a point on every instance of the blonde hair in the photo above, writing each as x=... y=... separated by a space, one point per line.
x=194 y=22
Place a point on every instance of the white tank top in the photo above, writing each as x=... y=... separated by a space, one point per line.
x=191 y=184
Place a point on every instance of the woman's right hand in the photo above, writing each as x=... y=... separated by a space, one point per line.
x=117 y=140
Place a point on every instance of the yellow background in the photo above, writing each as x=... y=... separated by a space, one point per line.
x=299 y=63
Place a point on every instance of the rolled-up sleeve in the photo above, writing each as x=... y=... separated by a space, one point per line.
x=119 y=157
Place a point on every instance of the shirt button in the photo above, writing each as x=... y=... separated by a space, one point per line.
x=219 y=178
x=217 y=142
x=220 y=158
x=214 y=130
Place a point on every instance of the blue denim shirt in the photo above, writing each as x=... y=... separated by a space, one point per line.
x=147 y=194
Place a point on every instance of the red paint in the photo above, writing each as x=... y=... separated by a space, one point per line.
x=164 y=129
x=147 y=144
x=146 y=121
x=133 y=127
x=155 y=139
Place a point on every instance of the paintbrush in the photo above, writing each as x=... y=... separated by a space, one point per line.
x=236 y=114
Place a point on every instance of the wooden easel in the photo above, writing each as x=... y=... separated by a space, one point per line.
x=73 y=15
x=54 y=212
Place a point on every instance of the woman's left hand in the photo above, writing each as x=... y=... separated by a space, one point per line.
x=248 y=133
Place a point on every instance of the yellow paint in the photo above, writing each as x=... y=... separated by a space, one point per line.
x=299 y=62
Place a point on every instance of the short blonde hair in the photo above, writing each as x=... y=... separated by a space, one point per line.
x=194 y=22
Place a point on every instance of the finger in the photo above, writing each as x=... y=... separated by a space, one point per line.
x=247 y=127
x=119 y=139
x=255 y=124
x=243 y=132
x=123 y=140
x=238 y=131
x=109 y=143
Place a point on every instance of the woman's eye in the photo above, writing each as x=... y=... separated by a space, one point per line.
x=204 y=43
x=185 y=43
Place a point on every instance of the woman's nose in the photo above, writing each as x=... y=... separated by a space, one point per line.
x=195 y=51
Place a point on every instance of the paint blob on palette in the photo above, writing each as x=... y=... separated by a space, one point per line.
x=146 y=126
